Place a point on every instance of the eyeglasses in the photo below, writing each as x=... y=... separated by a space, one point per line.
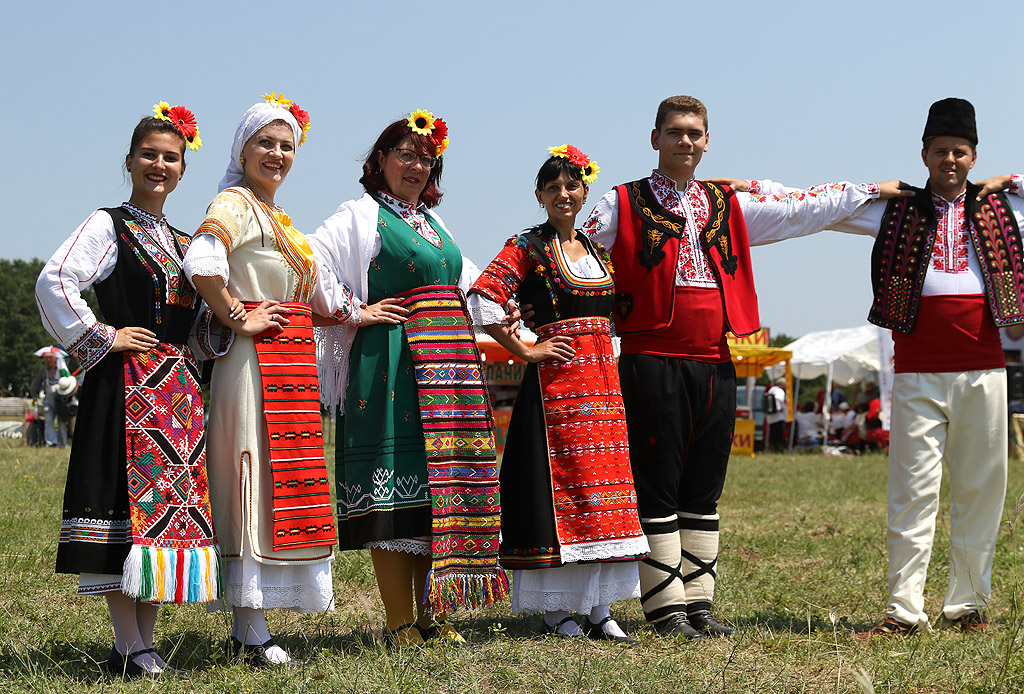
x=408 y=156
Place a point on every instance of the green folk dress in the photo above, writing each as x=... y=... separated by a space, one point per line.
x=381 y=474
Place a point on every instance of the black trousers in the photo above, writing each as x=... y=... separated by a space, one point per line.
x=680 y=415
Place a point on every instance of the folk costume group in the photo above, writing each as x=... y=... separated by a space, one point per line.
x=610 y=480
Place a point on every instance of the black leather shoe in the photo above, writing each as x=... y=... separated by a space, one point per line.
x=125 y=665
x=254 y=656
x=597 y=632
x=554 y=628
x=704 y=621
x=678 y=625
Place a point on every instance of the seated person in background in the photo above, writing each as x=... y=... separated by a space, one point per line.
x=808 y=425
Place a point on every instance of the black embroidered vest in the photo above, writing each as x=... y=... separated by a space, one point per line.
x=903 y=249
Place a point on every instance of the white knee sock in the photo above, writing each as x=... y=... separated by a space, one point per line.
x=610 y=627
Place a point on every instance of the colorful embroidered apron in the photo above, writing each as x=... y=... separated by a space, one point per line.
x=462 y=469
x=174 y=555
x=588 y=449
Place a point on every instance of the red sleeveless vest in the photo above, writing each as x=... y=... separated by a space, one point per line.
x=646 y=252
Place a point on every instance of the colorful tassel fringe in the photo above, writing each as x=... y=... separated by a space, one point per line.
x=157 y=574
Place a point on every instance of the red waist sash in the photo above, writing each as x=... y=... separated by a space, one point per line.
x=302 y=511
x=588 y=449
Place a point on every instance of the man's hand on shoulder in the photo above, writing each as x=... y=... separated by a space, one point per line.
x=894 y=189
x=993 y=185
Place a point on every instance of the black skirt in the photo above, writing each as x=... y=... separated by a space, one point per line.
x=527 y=507
x=96 y=531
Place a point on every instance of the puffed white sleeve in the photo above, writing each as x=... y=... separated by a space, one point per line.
x=207 y=256
x=87 y=257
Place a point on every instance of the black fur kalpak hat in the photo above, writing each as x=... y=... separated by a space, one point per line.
x=953 y=117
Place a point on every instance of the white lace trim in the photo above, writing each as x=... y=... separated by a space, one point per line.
x=574 y=587
x=302 y=588
x=97 y=584
x=209 y=267
x=207 y=257
x=606 y=549
x=409 y=545
x=483 y=311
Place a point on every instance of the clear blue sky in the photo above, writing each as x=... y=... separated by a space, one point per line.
x=799 y=92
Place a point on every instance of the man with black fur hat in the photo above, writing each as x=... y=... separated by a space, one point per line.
x=946 y=273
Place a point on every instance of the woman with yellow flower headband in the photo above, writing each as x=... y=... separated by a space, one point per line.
x=137 y=526
x=570 y=529
x=268 y=480
x=416 y=473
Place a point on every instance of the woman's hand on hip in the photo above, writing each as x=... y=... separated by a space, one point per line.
x=270 y=315
x=558 y=348
x=132 y=339
x=388 y=311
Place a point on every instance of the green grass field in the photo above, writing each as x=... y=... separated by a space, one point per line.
x=802 y=568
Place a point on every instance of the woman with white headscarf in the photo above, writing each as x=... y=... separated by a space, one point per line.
x=268 y=483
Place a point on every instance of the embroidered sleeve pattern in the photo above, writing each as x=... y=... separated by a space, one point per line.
x=602 y=224
x=86 y=257
x=505 y=273
x=211 y=343
x=93 y=345
x=795 y=212
x=225 y=218
x=1017 y=184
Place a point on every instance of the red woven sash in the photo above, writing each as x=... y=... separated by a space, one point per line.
x=303 y=515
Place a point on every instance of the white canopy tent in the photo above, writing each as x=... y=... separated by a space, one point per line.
x=851 y=354
x=845 y=356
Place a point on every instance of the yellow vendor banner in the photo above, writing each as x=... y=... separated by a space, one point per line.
x=743 y=437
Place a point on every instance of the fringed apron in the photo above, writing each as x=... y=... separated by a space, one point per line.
x=458 y=429
x=173 y=557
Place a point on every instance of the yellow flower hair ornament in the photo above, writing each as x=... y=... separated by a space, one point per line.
x=183 y=121
x=588 y=167
x=424 y=123
x=301 y=117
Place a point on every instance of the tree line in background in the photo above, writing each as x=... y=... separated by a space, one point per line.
x=21 y=331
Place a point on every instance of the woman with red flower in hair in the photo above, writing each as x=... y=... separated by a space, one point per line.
x=570 y=529
x=137 y=525
x=416 y=475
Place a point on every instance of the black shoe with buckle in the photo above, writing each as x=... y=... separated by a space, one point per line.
x=678 y=625
x=705 y=622
x=125 y=665
x=597 y=632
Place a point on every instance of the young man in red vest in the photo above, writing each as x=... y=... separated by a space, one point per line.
x=680 y=248
x=946 y=269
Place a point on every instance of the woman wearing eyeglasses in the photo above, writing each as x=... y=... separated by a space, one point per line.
x=416 y=475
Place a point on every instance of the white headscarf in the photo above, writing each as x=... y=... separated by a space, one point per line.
x=255 y=118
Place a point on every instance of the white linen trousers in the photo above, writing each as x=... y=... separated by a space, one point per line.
x=958 y=418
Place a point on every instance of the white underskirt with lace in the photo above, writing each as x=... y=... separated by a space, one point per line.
x=409 y=545
x=301 y=588
x=98 y=584
x=574 y=587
